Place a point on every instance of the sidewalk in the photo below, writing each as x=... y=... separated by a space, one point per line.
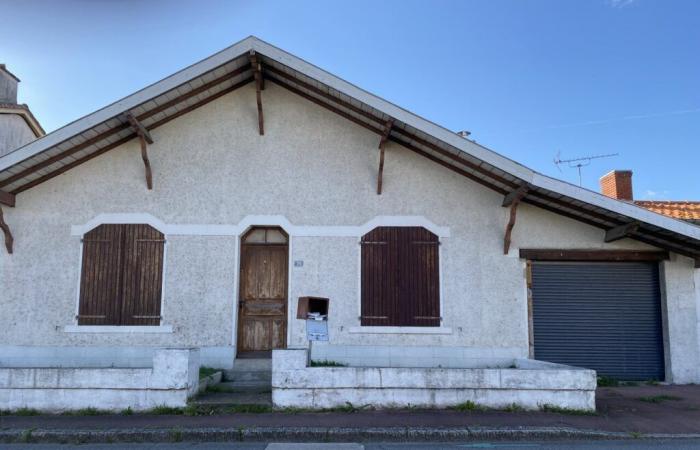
x=665 y=411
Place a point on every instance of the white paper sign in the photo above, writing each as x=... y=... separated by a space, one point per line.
x=317 y=330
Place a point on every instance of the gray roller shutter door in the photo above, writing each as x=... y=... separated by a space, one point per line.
x=602 y=316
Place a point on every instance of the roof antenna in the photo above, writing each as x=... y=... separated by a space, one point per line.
x=578 y=163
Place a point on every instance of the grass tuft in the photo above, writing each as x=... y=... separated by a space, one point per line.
x=206 y=371
x=569 y=411
x=127 y=412
x=26 y=436
x=513 y=407
x=659 y=398
x=25 y=412
x=604 y=381
x=327 y=363
x=87 y=412
x=176 y=435
x=247 y=409
x=468 y=406
x=163 y=410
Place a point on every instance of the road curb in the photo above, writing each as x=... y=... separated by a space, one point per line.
x=316 y=434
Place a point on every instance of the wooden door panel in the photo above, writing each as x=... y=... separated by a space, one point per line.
x=279 y=333
x=263 y=308
x=263 y=302
x=270 y=273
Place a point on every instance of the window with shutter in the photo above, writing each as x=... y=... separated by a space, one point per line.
x=122 y=275
x=400 y=277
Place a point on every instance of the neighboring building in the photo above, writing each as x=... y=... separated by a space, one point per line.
x=618 y=185
x=17 y=123
x=196 y=211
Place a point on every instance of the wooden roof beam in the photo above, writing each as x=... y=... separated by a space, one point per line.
x=516 y=195
x=512 y=199
x=621 y=231
x=145 y=139
x=385 y=136
x=9 y=241
x=7 y=199
x=256 y=65
x=138 y=128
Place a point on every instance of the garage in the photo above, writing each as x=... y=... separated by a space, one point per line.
x=602 y=315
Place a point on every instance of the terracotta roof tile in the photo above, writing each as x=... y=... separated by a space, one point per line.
x=677 y=209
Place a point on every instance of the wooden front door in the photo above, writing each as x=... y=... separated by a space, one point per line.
x=262 y=309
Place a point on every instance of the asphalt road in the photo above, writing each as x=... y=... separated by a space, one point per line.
x=676 y=444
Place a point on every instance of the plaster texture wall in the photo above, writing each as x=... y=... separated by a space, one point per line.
x=172 y=379
x=314 y=168
x=530 y=385
x=14 y=132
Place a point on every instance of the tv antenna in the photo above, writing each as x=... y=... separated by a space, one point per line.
x=578 y=163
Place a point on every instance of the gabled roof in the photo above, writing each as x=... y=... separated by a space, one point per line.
x=230 y=69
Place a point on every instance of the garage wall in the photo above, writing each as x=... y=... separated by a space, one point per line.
x=681 y=297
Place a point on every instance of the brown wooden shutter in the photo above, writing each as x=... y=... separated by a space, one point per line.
x=122 y=275
x=420 y=278
x=142 y=275
x=378 y=281
x=100 y=278
x=400 y=277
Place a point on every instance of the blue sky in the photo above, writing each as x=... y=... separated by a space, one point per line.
x=529 y=78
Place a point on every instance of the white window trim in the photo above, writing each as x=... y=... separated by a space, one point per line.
x=130 y=329
x=258 y=220
x=400 y=330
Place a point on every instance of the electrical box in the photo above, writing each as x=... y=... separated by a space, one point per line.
x=312 y=306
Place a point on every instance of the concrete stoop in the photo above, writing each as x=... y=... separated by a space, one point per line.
x=248 y=383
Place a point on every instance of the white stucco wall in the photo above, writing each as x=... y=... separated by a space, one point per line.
x=315 y=169
x=172 y=378
x=14 y=132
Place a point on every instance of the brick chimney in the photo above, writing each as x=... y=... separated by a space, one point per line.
x=617 y=184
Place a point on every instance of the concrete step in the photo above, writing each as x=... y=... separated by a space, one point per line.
x=244 y=386
x=239 y=375
x=223 y=399
x=254 y=365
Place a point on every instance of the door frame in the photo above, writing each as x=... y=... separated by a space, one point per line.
x=239 y=287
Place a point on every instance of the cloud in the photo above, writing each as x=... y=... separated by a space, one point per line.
x=616 y=119
x=657 y=195
x=621 y=3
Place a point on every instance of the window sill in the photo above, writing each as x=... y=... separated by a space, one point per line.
x=118 y=329
x=400 y=330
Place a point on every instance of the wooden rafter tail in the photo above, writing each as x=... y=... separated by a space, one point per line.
x=7 y=199
x=146 y=162
x=621 y=231
x=145 y=139
x=9 y=240
x=385 y=136
x=512 y=199
x=256 y=65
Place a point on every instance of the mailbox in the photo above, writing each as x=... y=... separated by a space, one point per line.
x=314 y=306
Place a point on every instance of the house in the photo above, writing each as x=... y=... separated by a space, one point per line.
x=618 y=184
x=195 y=213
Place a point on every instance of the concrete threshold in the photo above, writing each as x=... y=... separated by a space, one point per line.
x=316 y=434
